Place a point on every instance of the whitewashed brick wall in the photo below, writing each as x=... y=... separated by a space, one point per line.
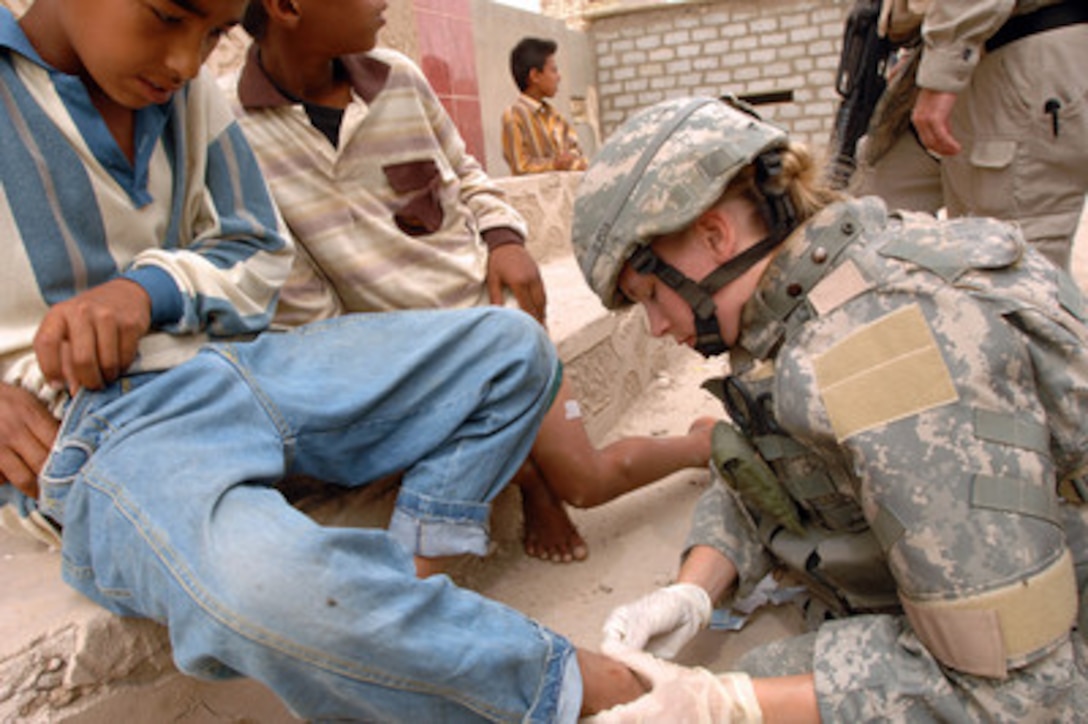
x=731 y=46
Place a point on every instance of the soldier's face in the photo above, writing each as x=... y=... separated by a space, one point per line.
x=666 y=312
x=695 y=253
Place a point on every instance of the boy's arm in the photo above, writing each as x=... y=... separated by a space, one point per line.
x=509 y=264
x=573 y=149
x=486 y=201
x=308 y=296
x=233 y=253
x=90 y=339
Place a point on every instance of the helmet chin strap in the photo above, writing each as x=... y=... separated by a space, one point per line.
x=781 y=218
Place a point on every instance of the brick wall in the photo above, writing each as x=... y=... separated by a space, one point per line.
x=738 y=46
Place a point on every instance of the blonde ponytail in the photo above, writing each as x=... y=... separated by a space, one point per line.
x=801 y=176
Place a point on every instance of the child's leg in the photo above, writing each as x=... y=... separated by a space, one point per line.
x=549 y=532
x=576 y=472
x=166 y=493
x=424 y=393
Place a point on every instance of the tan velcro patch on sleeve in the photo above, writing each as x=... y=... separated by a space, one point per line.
x=888 y=370
x=840 y=286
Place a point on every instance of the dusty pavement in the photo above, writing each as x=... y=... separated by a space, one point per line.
x=634 y=541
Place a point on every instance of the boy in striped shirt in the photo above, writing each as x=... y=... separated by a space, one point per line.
x=535 y=136
x=145 y=419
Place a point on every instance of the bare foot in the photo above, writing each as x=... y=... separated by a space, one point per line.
x=550 y=534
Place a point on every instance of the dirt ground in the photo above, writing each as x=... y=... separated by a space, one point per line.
x=634 y=541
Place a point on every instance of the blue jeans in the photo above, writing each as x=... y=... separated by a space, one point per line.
x=164 y=485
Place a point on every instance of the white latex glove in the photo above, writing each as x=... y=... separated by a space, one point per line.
x=661 y=622
x=682 y=695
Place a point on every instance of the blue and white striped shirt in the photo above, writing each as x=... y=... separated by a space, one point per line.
x=191 y=220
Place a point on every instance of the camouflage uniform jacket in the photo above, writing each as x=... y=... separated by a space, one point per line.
x=936 y=373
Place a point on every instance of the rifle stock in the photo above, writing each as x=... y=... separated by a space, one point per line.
x=860 y=81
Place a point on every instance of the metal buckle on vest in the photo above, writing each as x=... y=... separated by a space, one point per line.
x=1075 y=488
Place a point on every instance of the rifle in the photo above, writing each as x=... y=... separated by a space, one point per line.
x=860 y=81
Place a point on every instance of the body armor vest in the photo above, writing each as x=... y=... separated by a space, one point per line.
x=803 y=501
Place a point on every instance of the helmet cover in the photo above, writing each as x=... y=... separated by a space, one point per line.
x=657 y=174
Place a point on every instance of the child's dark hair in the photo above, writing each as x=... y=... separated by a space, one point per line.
x=528 y=54
x=255 y=21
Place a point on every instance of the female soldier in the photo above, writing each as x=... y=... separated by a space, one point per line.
x=910 y=400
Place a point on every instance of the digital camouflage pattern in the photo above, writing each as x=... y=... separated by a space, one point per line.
x=959 y=486
x=642 y=184
x=874 y=668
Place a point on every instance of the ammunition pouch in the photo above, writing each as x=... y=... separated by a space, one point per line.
x=846 y=571
x=747 y=473
x=811 y=482
x=771 y=471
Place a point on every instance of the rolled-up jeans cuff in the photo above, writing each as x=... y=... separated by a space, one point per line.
x=429 y=527
x=569 y=706
x=19 y=513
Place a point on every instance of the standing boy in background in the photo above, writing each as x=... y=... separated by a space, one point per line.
x=535 y=137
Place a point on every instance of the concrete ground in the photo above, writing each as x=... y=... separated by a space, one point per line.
x=634 y=541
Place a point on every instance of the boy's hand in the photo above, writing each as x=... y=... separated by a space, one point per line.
x=564 y=160
x=511 y=266
x=90 y=339
x=27 y=432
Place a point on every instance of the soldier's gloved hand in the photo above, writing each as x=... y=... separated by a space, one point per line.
x=661 y=622
x=681 y=694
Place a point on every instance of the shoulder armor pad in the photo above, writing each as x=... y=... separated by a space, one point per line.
x=951 y=248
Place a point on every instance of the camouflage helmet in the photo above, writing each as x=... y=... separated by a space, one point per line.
x=657 y=174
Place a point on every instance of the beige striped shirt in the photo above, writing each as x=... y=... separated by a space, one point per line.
x=394 y=216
